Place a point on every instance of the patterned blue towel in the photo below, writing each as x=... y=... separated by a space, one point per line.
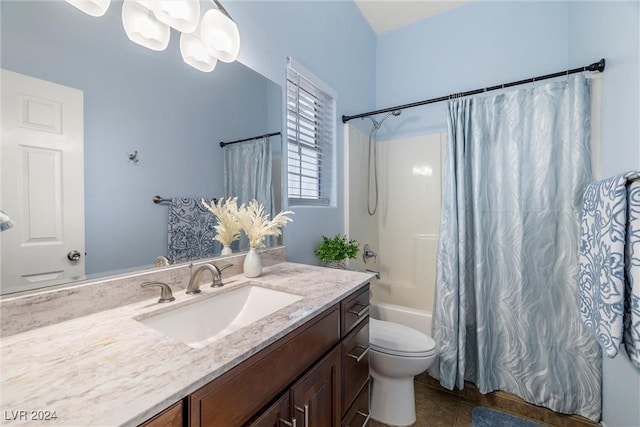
x=632 y=269
x=191 y=231
x=5 y=222
x=602 y=281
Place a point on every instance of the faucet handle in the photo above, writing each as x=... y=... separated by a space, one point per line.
x=367 y=254
x=224 y=267
x=217 y=279
x=165 y=295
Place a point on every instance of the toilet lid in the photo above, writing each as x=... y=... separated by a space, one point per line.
x=400 y=340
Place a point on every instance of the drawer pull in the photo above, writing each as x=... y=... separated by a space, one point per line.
x=362 y=312
x=366 y=417
x=305 y=411
x=364 y=352
x=287 y=423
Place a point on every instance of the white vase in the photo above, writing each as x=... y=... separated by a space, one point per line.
x=226 y=250
x=342 y=264
x=252 y=264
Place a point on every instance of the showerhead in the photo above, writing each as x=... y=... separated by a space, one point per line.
x=377 y=124
x=395 y=113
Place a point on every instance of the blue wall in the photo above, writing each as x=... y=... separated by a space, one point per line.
x=612 y=30
x=136 y=99
x=473 y=46
x=331 y=39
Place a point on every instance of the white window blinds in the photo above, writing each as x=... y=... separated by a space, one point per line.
x=310 y=138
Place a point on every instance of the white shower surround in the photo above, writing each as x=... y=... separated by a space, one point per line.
x=419 y=320
x=404 y=238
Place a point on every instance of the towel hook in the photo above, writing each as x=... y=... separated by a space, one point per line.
x=134 y=157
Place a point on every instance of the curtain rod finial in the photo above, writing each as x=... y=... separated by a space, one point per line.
x=597 y=66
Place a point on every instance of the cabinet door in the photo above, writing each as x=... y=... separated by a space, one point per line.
x=316 y=397
x=170 y=417
x=277 y=415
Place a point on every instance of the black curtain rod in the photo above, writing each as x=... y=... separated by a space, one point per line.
x=266 y=135
x=596 y=66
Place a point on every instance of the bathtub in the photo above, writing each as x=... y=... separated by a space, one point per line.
x=414 y=318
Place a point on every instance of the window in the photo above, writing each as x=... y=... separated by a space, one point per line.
x=310 y=137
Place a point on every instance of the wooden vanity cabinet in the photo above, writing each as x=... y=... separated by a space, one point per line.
x=315 y=376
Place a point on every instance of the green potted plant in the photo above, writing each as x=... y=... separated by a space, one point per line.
x=334 y=251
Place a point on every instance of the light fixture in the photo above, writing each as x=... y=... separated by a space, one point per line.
x=183 y=15
x=220 y=34
x=206 y=36
x=143 y=27
x=91 y=7
x=195 y=53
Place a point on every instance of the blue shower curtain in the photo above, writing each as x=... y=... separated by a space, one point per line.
x=506 y=310
x=247 y=176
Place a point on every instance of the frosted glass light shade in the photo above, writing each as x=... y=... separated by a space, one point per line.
x=183 y=15
x=146 y=3
x=91 y=7
x=196 y=54
x=220 y=34
x=142 y=27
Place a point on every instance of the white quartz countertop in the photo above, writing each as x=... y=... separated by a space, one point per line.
x=108 y=369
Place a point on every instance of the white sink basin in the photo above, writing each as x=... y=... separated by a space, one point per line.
x=203 y=322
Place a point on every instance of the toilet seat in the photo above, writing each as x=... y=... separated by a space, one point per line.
x=399 y=340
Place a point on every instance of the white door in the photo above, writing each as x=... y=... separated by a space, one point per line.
x=42 y=182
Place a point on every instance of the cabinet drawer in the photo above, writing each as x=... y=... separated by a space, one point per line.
x=236 y=396
x=355 y=362
x=354 y=309
x=358 y=414
x=170 y=417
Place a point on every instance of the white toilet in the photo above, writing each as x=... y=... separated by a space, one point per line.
x=397 y=354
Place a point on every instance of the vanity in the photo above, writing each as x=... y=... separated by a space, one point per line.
x=302 y=365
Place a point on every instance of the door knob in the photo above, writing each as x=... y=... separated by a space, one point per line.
x=74 y=256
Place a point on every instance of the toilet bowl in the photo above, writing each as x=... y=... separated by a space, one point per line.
x=397 y=354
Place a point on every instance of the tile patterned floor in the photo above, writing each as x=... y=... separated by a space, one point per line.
x=439 y=407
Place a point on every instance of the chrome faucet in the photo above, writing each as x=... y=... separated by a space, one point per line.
x=376 y=273
x=194 y=283
x=165 y=294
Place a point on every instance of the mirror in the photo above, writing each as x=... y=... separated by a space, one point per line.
x=136 y=101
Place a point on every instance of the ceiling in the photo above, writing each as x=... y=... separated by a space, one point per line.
x=388 y=15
